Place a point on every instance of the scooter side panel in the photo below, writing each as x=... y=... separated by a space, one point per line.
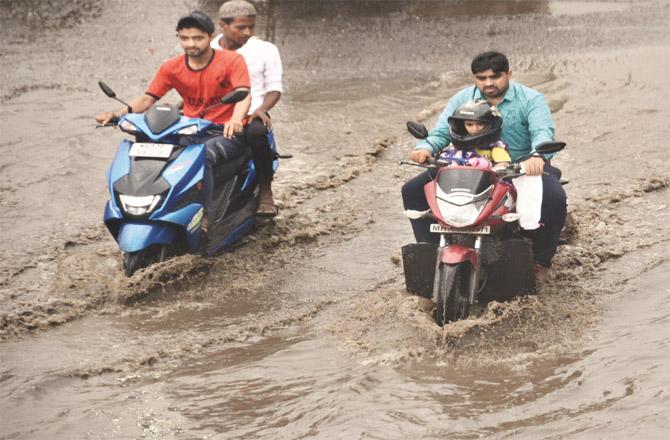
x=251 y=176
x=135 y=236
x=236 y=234
x=273 y=147
x=188 y=219
x=120 y=166
x=494 y=202
x=232 y=228
x=182 y=175
x=431 y=198
x=112 y=212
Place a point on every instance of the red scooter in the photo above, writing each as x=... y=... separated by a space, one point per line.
x=482 y=255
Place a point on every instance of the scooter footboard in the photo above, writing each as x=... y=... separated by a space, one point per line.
x=418 y=261
x=135 y=236
x=511 y=274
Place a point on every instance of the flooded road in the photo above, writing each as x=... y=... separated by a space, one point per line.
x=305 y=331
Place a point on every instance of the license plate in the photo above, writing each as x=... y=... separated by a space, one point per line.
x=480 y=230
x=147 y=149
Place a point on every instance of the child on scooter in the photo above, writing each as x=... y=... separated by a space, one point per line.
x=475 y=129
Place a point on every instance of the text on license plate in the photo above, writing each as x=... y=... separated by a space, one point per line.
x=147 y=149
x=439 y=229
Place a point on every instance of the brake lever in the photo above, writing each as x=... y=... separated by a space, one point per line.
x=417 y=164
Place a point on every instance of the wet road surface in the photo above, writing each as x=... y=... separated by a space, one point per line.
x=305 y=331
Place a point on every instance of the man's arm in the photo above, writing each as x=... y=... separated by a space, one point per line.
x=272 y=82
x=240 y=111
x=139 y=105
x=269 y=101
x=541 y=129
x=540 y=123
x=238 y=75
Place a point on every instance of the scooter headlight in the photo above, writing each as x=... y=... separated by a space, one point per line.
x=461 y=208
x=139 y=205
x=460 y=216
x=128 y=127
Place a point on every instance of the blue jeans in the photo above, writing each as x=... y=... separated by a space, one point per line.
x=218 y=151
x=545 y=239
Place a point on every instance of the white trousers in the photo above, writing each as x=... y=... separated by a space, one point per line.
x=528 y=200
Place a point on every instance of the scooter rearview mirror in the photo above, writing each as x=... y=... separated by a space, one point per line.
x=417 y=130
x=107 y=90
x=550 y=147
x=236 y=95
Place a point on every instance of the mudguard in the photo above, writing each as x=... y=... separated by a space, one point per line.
x=135 y=236
x=455 y=253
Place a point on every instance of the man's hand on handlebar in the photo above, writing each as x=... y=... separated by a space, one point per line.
x=534 y=166
x=420 y=156
x=105 y=117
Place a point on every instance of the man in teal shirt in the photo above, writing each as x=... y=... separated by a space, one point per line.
x=527 y=123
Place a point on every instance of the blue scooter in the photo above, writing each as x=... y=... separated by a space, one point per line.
x=155 y=209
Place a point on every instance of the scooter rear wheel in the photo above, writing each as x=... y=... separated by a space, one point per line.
x=452 y=300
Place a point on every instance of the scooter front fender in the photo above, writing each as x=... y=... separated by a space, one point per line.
x=455 y=253
x=135 y=236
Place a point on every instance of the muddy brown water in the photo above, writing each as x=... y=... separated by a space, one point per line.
x=305 y=331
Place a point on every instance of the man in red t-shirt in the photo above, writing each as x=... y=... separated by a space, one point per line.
x=202 y=76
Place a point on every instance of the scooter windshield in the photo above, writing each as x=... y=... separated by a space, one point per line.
x=463 y=179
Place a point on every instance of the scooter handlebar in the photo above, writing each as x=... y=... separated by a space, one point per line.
x=112 y=123
x=417 y=164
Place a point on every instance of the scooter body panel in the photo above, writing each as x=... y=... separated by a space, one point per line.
x=455 y=253
x=139 y=121
x=189 y=222
x=137 y=235
x=182 y=174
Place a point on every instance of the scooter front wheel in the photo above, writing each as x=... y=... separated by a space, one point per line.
x=134 y=261
x=452 y=300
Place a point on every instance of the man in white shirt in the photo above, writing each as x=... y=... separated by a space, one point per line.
x=237 y=22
